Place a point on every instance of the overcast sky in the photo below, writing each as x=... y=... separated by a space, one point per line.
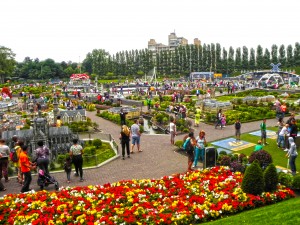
x=67 y=30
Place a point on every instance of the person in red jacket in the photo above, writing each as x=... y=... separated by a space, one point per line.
x=26 y=167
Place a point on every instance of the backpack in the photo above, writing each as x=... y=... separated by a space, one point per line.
x=237 y=125
x=187 y=146
x=13 y=155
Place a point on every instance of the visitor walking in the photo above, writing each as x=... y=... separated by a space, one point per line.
x=135 y=136
x=218 y=118
x=237 y=127
x=26 y=167
x=42 y=156
x=200 y=147
x=263 y=129
x=76 y=152
x=292 y=155
x=68 y=168
x=4 y=154
x=125 y=139
x=172 y=130
x=197 y=116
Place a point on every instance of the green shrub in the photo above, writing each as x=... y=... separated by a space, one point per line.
x=179 y=143
x=296 y=182
x=253 y=181
x=222 y=153
x=285 y=179
x=97 y=143
x=61 y=159
x=90 y=150
x=271 y=178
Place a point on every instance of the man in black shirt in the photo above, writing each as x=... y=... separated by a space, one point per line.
x=123 y=117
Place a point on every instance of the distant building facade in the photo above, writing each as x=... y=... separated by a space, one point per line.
x=173 y=43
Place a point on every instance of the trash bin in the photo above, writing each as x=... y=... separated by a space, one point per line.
x=297 y=141
x=210 y=157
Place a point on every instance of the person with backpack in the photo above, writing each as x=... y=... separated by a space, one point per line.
x=237 y=127
x=189 y=146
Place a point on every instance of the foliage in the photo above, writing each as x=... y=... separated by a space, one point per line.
x=285 y=179
x=179 y=143
x=253 y=181
x=296 y=182
x=115 y=118
x=270 y=178
x=263 y=157
x=224 y=160
x=80 y=126
x=237 y=167
x=97 y=143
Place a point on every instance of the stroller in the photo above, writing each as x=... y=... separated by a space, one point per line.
x=45 y=179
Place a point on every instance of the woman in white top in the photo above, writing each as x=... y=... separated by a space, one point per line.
x=172 y=130
x=200 y=147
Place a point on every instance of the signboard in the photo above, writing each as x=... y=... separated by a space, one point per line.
x=232 y=144
x=216 y=75
x=201 y=75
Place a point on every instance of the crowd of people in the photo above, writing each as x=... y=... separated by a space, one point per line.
x=24 y=165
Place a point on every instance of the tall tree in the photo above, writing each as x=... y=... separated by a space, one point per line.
x=259 y=58
x=7 y=62
x=245 y=59
x=230 y=61
x=219 y=64
x=289 y=56
x=223 y=66
x=238 y=59
x=282 y=56
x=297 y=54
x=274 y=54
x=267 y=59
x=213 y=57
x=252 y=65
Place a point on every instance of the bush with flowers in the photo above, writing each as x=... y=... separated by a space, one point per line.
x=187 y=198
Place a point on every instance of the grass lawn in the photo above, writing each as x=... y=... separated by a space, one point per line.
x=278 y=155
x=286 y=212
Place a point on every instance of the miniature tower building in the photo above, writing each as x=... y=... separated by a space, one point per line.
x=55 y=109
x=40 y=132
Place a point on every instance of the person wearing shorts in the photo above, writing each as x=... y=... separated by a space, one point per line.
x=135 y=136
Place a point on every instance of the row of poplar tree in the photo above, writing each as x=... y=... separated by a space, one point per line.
x=181 y=61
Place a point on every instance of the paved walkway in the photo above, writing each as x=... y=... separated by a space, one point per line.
x=158 y=158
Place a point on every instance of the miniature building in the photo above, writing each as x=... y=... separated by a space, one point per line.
x=58 y=139
x=68 y=116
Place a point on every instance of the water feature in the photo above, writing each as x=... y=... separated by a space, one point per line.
x=148 y=129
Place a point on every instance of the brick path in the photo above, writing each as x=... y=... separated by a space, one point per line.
x=158 y=158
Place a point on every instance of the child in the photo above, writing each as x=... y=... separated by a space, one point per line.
x=68 y=167
x=223 y=120
x=26 y=167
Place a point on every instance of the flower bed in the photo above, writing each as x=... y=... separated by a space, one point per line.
x=180 y=199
